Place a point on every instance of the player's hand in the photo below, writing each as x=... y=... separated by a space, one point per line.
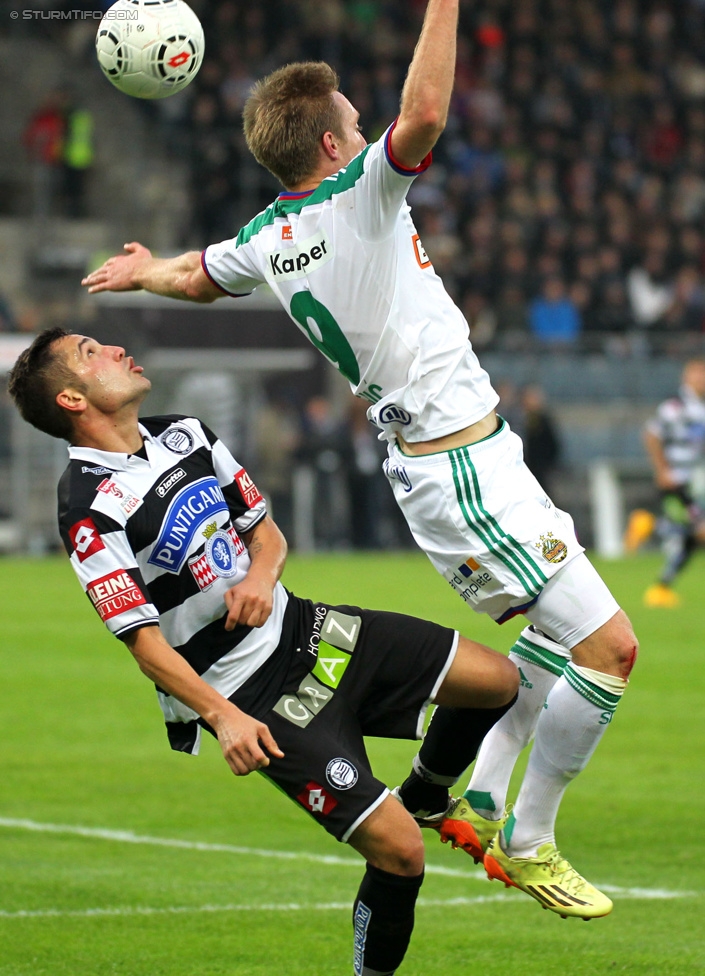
x=249 y=603
x=119 y=272
x=243 y=740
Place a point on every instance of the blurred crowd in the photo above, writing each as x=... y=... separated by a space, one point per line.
x=567 y=197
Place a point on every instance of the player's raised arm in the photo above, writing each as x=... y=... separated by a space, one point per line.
x=180 y=277
x=242 y=738
x=428 y=87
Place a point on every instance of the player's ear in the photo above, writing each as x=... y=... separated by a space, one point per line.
x=329 y=144
x=71 y=400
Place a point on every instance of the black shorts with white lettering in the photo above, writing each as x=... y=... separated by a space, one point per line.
x=350 y=673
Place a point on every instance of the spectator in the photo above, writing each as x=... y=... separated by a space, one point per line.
x=541 y=443
x=553 y=316
x=77 y=157
x=43 y=139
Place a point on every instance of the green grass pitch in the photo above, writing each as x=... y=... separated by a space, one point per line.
x=82 y=746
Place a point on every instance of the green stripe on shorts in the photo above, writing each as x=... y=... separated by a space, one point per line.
x=517 y=560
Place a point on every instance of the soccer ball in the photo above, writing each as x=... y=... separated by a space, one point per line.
x=150 y=48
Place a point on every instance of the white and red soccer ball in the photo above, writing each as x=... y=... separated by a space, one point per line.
x=150 y=48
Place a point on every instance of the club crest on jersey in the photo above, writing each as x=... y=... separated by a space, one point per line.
x=178 y=440
x=552 y=549
x=194 y=505
x=220 y=551
x=299 y=260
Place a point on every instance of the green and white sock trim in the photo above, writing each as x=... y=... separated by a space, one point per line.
x=540 y=656
x=602 y=690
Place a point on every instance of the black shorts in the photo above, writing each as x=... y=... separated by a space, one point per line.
x=343 y=673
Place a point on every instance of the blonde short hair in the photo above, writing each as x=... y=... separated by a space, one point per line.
x=286 y=116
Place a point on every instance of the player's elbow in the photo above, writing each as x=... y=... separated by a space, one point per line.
x=194 y=291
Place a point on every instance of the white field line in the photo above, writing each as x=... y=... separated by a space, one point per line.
x=201 y=909
x=128 y=837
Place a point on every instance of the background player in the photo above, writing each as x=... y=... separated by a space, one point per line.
x=172 y=543
x=340 y=251
x=675 y=442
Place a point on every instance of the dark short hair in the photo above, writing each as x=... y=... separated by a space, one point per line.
x=286 y=116
x=39 y=374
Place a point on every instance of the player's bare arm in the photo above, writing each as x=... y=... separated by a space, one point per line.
x=180 y=277
x=662 y=472
x=250 y=602
x=429 y=84
x=242 y=738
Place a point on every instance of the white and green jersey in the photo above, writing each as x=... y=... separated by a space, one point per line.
x=347 y=264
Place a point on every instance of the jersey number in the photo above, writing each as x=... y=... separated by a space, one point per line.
x=325 y=333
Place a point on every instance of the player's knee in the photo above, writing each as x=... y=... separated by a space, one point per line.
x=627 y=654
x=510 y=681
x=403 y=853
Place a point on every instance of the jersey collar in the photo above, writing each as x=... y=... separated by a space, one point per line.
x=115 y=460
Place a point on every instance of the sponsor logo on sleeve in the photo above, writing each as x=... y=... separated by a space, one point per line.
x=194 y=505
x=172 y=479
x=316 y=799
x=179 y=440
x=299 y=260
x=422 y=258
x=85 y=539
x=86 y=470
x=248 y=489
x=114 y=594
x=341 y=774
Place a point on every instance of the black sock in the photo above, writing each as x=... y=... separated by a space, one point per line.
x=451 y=744
x=383 y=920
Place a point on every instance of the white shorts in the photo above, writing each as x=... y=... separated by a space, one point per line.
x=489 y=528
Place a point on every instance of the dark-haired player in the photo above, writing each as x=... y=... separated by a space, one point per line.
x=172 y=543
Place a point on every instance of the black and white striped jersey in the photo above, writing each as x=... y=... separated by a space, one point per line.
x=156 y=538
x=679 y=423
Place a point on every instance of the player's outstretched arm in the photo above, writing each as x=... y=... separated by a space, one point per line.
x=250 y=602
x=180 y=277
x=429 y=85
x=245 y=741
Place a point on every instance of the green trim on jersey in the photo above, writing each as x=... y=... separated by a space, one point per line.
x=517 y=559
x=343 y=180
x=534 y=654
